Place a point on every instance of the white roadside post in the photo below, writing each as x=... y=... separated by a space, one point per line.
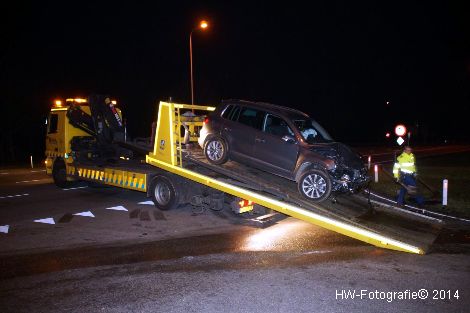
x=368 y=162
x=445 y=187
x=376 y=173
x=31 y=158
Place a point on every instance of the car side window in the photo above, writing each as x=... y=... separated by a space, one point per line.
x=227 y=111
x=276 y=126
x=252 y=117
x=233 y=116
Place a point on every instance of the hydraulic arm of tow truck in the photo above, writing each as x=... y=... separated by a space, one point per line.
x=104 y=122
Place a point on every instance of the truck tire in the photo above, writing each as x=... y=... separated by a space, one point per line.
x=59 y=174
x=315 y=185
x=216 y=151
x=164 y=193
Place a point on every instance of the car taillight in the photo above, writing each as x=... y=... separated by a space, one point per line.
x=206 y=120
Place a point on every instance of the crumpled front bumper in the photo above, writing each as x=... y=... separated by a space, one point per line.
x=349 y=180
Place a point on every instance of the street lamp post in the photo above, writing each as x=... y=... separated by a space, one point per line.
x=203 y=25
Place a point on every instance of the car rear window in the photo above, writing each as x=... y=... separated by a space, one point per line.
x=227 y=111
x=231 y=112
x=251 y=117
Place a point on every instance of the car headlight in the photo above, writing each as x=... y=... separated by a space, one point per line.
x=345 y=178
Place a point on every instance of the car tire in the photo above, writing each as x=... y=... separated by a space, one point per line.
x=164 y=193
x=315 y=185
x=216 y=151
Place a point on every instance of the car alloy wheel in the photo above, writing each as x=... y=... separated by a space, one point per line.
x=315 y=185
x=215 y=150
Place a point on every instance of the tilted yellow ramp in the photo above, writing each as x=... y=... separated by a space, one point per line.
x=167 y=156
x=291 y=210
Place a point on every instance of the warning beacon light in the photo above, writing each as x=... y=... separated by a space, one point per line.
x=400 y=130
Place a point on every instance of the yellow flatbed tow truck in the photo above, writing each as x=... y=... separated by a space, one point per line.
x=174 y=170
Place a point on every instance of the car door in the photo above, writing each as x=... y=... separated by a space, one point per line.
x=239 y=130
x=276 y=149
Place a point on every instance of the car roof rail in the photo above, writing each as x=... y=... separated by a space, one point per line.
x=265 y=104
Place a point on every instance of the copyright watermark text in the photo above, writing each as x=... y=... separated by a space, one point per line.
x=390 y=296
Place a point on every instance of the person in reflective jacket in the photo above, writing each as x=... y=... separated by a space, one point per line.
x=404 y=171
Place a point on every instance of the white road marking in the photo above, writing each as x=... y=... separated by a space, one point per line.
x=87 y=213
x=27 y=181
x=48 y=220
x=14 y=196
x=422 y=210
x=38 y=171
x=146 y=202
x=117 y=208
x=4 y=229
x=74 y=188
x=317 y=252
x=393 y=207
x=4 y=173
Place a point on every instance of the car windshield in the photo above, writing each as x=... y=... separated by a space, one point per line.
x=311 y=131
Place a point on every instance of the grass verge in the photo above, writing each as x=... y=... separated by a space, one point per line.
x=432 y=171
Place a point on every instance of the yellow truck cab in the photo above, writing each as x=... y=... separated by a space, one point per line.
x=60 y=133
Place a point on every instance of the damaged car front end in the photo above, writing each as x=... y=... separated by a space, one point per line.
x=349 y=173
x=345 y=167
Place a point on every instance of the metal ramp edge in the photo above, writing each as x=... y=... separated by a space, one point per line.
x=342 y=227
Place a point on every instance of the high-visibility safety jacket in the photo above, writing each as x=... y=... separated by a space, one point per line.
x=405 y=163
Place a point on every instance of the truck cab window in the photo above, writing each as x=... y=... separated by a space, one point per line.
x=53 y=121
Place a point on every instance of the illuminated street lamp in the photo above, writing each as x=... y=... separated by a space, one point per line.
x=203 y=25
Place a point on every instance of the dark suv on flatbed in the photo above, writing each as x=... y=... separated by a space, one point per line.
x=284 y=142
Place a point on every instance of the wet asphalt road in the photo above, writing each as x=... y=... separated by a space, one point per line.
x=141 y=260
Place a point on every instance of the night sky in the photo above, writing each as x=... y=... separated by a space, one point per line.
x=340 y=62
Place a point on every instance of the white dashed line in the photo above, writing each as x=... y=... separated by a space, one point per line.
x=27 y=181
x=38 y=171
x=117 y=208
x=14 y=196
x=4 y=229
x=4 y=173
x=48 y=220
x=74 y=188
x=87 y=213
x=317 y=252
x=146 y=202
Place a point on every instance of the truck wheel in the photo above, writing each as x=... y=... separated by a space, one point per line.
x=59 y=174
x=164 y=193
x=315 y=185
x=215 y=150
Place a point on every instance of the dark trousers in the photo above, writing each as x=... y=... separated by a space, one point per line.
x=408 y=180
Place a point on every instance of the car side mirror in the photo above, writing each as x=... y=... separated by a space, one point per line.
x=288 y=139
